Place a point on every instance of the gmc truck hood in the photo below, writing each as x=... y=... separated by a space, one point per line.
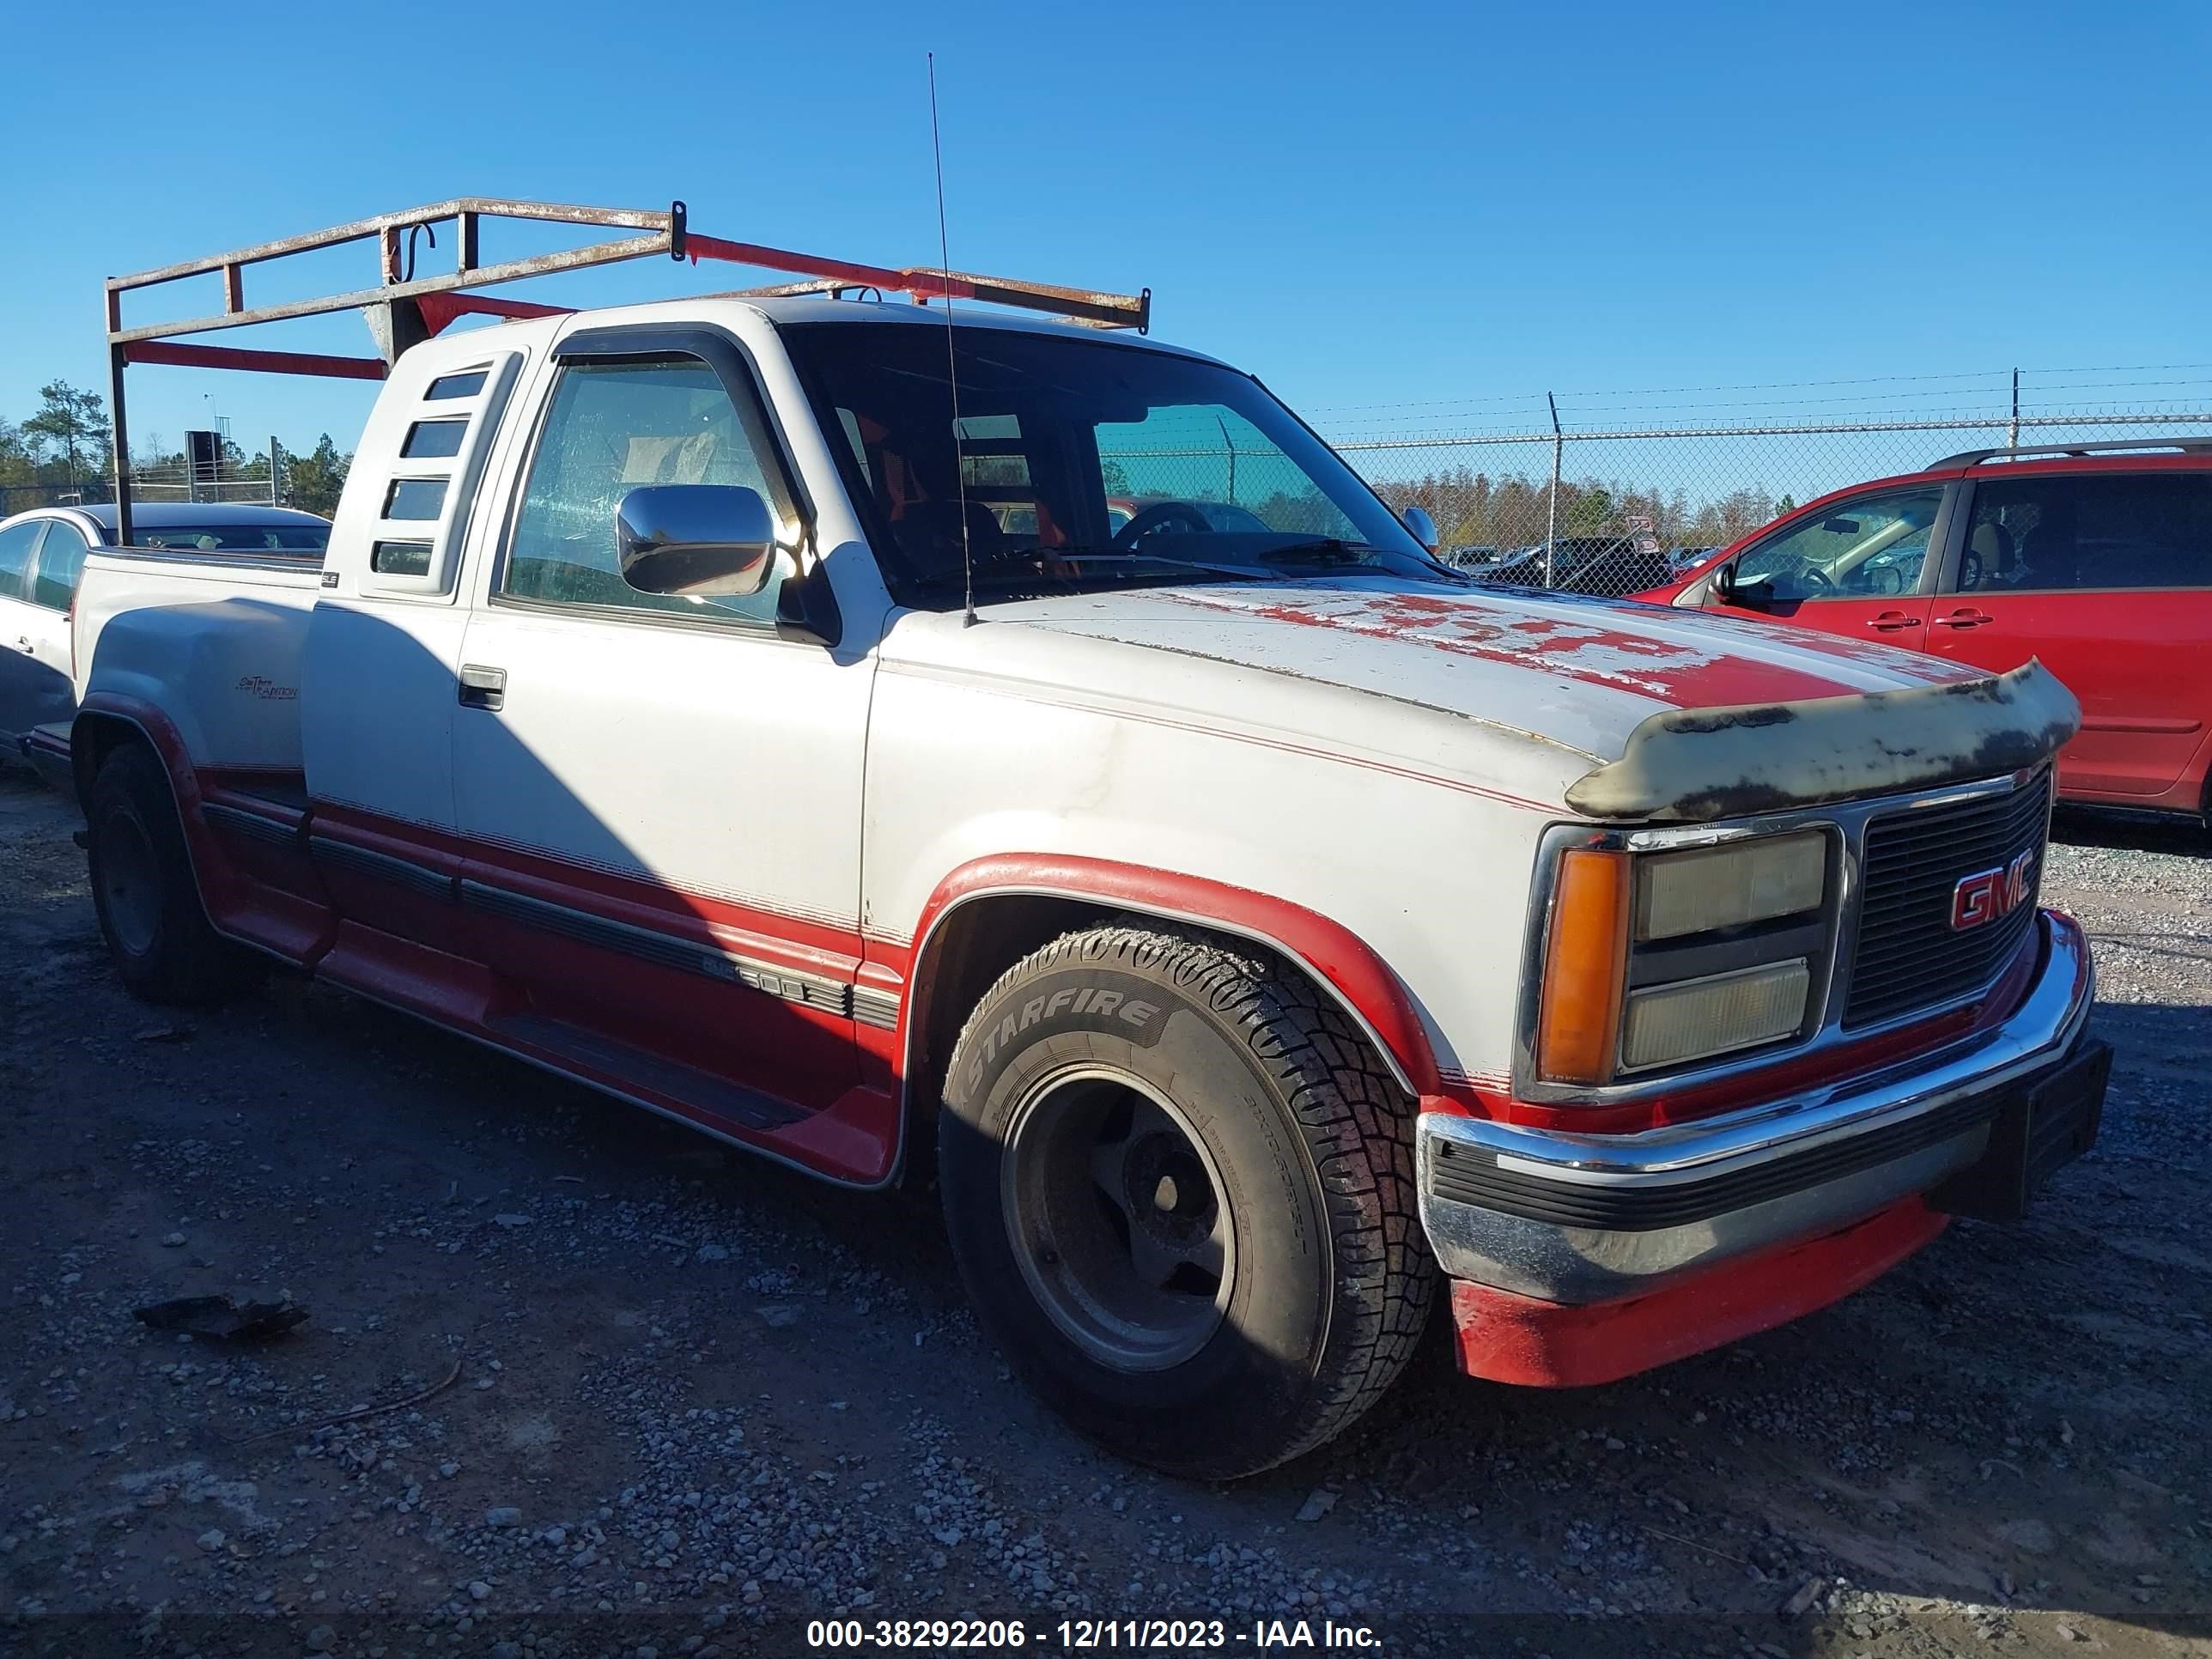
x=1673 y=714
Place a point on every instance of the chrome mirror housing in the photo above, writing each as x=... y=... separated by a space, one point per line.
x=712 y=540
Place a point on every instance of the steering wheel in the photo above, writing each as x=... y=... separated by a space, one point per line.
x=1156 y=517
x=1816 y=581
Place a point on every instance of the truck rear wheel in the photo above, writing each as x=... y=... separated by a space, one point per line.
x=1180 y=1186
x=142 y=887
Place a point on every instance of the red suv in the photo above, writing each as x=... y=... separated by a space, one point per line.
x=2095 y=557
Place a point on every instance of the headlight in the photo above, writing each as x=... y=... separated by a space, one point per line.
x=1692 y=1018
x=1657 y=959
x=1727 y=886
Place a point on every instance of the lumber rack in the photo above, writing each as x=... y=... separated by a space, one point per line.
x=404 y=309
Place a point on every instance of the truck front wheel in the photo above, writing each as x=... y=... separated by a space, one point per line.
x=1180 y=1186
x=143 y=888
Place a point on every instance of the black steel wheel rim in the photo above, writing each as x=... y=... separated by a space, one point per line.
x=1118 y=1217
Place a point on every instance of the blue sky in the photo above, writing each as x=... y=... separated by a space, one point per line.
x=1399 y=215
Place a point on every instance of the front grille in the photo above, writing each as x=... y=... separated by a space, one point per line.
x=1909 y=956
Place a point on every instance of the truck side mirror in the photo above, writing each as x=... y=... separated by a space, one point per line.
x=713 y=540
x=1424 y=528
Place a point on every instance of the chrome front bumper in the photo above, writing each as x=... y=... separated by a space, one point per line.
x=1587 y=1218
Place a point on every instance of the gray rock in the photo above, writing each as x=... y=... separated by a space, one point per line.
x=2030 y=1536
x=212 y=1540
x=780 y=1315
x=502 y=1515
x=322 y=1639
x=1319 y=1502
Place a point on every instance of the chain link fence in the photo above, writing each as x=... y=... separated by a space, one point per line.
x=1614 y=498
x=246 y=479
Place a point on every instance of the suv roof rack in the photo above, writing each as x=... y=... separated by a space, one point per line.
x=1975 y=456
x=404 y=309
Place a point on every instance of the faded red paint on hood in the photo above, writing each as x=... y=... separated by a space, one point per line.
x=1685 y=659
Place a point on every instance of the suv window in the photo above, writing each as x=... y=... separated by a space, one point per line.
x=611 y=427
x=15 y=553
x=1875 y=545
x=60 y=559
x=2056 y=533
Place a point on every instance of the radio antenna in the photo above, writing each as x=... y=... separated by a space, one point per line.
x=951 y=367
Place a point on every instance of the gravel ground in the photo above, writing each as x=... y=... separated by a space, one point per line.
x=649 y=1397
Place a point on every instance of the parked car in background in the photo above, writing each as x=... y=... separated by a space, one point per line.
x=2096 y=558
x=42 y=553
x=1609 y=567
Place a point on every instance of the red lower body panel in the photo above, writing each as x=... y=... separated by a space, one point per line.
x=1517 y=1339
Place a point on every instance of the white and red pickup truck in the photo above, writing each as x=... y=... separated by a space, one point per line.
x=1256 y=929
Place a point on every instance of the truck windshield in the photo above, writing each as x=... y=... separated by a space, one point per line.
x=1082 y=464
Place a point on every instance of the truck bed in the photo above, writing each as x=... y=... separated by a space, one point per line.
x=214 y=641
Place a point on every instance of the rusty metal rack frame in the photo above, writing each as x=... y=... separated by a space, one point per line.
x=404 y=309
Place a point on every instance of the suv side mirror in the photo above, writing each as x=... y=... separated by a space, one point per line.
x=1424 y=528
x=1754 y=594
x=713 y=540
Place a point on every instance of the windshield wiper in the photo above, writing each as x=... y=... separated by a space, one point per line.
x=1021 y=567
x=1321 y=549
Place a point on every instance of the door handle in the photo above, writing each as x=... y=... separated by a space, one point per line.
x=483 y=688
x=1963 y=619
x=1888 y=622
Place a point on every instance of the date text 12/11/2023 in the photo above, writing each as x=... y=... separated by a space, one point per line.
x=1085 y=1635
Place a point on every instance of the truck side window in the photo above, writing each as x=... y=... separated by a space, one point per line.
x=611 y=427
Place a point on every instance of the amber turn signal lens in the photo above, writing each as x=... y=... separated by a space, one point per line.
x=1585 y=966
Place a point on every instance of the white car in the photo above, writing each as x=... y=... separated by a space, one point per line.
x=1262 y=932
x=41 y=552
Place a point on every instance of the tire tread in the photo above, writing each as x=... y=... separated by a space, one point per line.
x=1357 y=1128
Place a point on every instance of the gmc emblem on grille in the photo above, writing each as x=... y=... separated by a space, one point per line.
x=1983 y=897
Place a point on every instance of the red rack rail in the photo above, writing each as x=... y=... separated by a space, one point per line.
x=404 y=308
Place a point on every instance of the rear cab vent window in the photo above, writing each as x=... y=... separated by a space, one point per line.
x=456 y=386
x=414 y=498
x=400 y=558
x=430 y=456
x=430 y=440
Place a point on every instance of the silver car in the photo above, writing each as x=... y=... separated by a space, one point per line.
x=41 y=552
